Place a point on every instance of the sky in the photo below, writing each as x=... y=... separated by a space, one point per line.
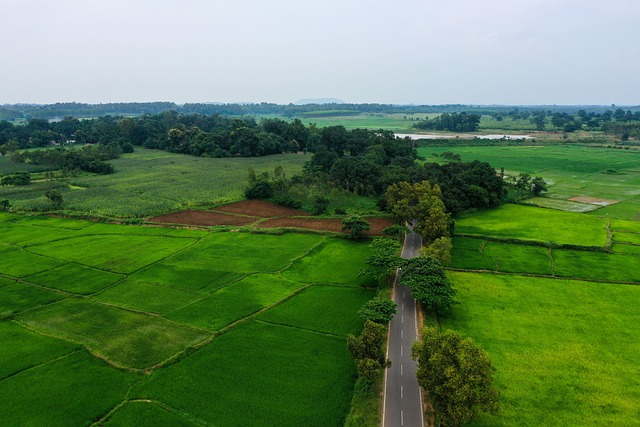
x=510 y=52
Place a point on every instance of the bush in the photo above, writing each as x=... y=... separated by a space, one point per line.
x=288 y=202
x=320 y=205
x=260 y=189
x=378 y=310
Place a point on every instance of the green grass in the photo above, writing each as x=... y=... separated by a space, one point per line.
x=123 y=337
x=150 y=182
x=627 y=238
x=260 y=375
x=514 y=258
x=247 y=253
x=4 y=281
x=565 y=351
x=72 y=391
x=185 y=276
x=153 y=298
x=17 y=262
x=148 y=298
x=116 y=253
x=537 y=224
x=618 y=267
x=322 y=309
x=235 y=301
x=571 y=170
x=395 y=122
x=336 y=261
x=146 y=414
x=75 y=278
x=17 y=297
x=22 y=349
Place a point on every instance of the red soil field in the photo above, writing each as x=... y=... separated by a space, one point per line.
x=207 y=218
x=260 y=209
x=377 y=224
x=250 y=211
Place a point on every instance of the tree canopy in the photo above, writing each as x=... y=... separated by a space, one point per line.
x=458 y=376
x=428 y=283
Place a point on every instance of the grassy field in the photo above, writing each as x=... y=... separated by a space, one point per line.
x=570 y=170
x=535 y=224
x=149 y=182
x=133 y=325
x=401 y=123
x=565 y=351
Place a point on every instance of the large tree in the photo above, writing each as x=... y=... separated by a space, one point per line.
x=420 y=203
x=458 y=376
x=428 y=283
x=368 y=350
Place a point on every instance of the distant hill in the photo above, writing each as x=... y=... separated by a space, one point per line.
x=306 y=101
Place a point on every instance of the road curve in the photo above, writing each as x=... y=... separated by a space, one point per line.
x=402 y=397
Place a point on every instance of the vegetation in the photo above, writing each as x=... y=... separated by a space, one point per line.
x=378 y=310
x=143 y=299
x=369 y=351
x=454 y=122
x=562 y=349
x=458 y=376
x=428 y=283
x=355 y=226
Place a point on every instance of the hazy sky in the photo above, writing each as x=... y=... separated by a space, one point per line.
x=392 y=51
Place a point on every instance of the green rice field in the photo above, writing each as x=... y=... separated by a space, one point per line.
x=558 y=322
x=571 y=170
x=565 y=351
x=119 y=325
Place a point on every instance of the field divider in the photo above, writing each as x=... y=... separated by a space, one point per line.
x=48 y=362
x=552 y=262
x=538 y=243
x=215 y=334
x=162 y=405
x=508 y=273
x=313 y=331
x=85 y=347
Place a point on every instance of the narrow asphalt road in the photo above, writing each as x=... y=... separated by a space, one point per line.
x=402 y=398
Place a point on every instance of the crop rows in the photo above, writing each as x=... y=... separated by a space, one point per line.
x=174 y=326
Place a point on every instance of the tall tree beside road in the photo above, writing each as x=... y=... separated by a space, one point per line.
x=428 y=283
x=422 y=205
x=458 y=376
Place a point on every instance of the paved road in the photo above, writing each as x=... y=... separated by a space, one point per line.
x=402 y=398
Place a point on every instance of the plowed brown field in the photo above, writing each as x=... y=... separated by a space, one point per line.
x=260 y=209
x=207 y=218
x=250 y=211
x=377 y=224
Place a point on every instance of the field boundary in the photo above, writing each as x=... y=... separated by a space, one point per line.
x=538 y=243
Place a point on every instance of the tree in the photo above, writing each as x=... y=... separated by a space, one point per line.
x=368 y=350
x=56 y=198
x=355 y=226
x=440 y=250
x=320 y=204
x=458 y=376
x=384 y=258
x=378 y=310
x=538 y=185
x=428 y=283
x=5 y=205
x=422 y=203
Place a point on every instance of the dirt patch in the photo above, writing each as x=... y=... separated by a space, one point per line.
x=260 y=209
x=207 y=218
x=594 y=200
x=377 y=224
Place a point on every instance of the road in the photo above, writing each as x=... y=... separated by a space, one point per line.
x=402 y=396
